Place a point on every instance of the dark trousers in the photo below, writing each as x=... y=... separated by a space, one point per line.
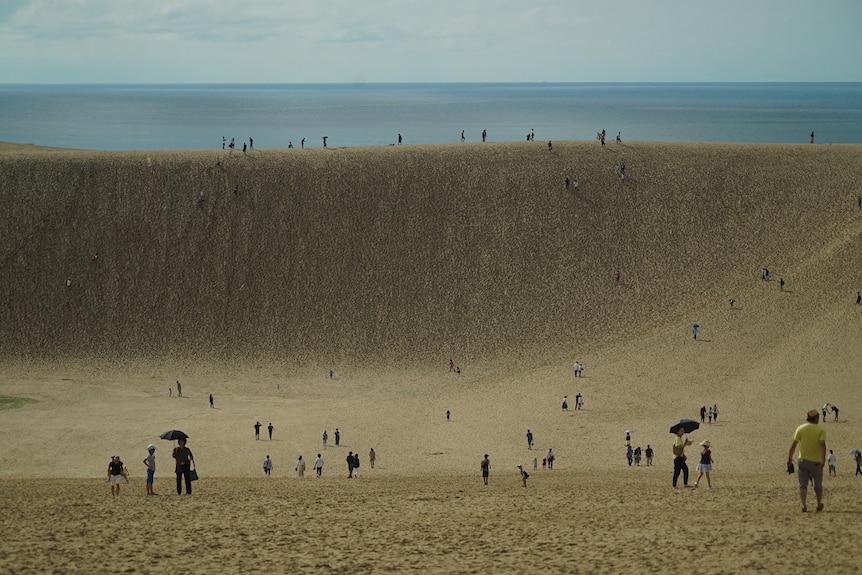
x=184 y=470
x=679 y=465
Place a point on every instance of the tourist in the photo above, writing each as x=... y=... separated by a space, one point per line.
x=704 y=466
x=679 y=465
x=485 y=466
x=811 y=439
x=184 y=459
x=115 y=474
x=150 y=464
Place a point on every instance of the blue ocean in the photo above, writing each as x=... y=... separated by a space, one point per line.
x=197 y=116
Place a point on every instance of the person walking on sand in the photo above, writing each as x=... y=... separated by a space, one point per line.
x=679 y=465
x=485 y=466
x=830 y=462
x=300 y=467
x=356 y=465
x=811 y=439
x=858 y=297
x=115 y=474
x=372 y=456
x=858 y=457
x=649 y=455
x=150 y=464
x=318 y=465
x=337 y=437
x=267 y=466
x=529 y=439
x=179 y=389
x=212 y=402
x=835 y=412
x=269 y=428
x=579 y=401
x=184 y=459
x=630 y=454
x=257 y=427
x=524 y=475
x=350 y=465
x=694 y=328
x=565 y=403
x=325 y=437
x=704 y=466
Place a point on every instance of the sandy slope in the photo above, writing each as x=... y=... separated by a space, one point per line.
x=383 y=263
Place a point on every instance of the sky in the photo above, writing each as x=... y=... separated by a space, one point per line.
x=357 y=41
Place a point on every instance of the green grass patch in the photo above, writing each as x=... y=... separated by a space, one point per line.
x=7 y=402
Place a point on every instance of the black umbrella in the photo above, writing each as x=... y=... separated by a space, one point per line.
x=688 y=425
x=173 y=434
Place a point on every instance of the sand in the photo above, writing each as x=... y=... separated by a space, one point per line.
x=490 y=262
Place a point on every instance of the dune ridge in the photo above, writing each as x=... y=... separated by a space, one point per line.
x=398 y=253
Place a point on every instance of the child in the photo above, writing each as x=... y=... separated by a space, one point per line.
x=150 y=463
x=705 y=465
x=830 y=461
x=524 y=475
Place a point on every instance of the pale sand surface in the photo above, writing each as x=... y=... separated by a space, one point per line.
x=564 y=522
x=423 y=508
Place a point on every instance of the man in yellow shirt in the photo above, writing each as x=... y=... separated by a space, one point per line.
x=811 y=439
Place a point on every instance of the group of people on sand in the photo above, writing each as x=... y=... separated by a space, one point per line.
x=680 y=467
x=634 y=456
x=269 y=428
x=232 y=145
x=827 y=407
x=709 y=414
x=485 y=467
x=299 y=467
x=183 y=468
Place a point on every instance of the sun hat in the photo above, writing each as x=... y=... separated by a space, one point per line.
x=705 y=443
x=150 y=446
x=813 y=413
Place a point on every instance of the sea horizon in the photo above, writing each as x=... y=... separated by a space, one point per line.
x=132 y=116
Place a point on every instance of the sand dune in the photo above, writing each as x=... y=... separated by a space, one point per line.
x=384 y=263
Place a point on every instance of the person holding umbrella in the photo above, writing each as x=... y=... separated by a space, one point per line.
x=857 y=455
x=679 y=429
x=184 y=459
